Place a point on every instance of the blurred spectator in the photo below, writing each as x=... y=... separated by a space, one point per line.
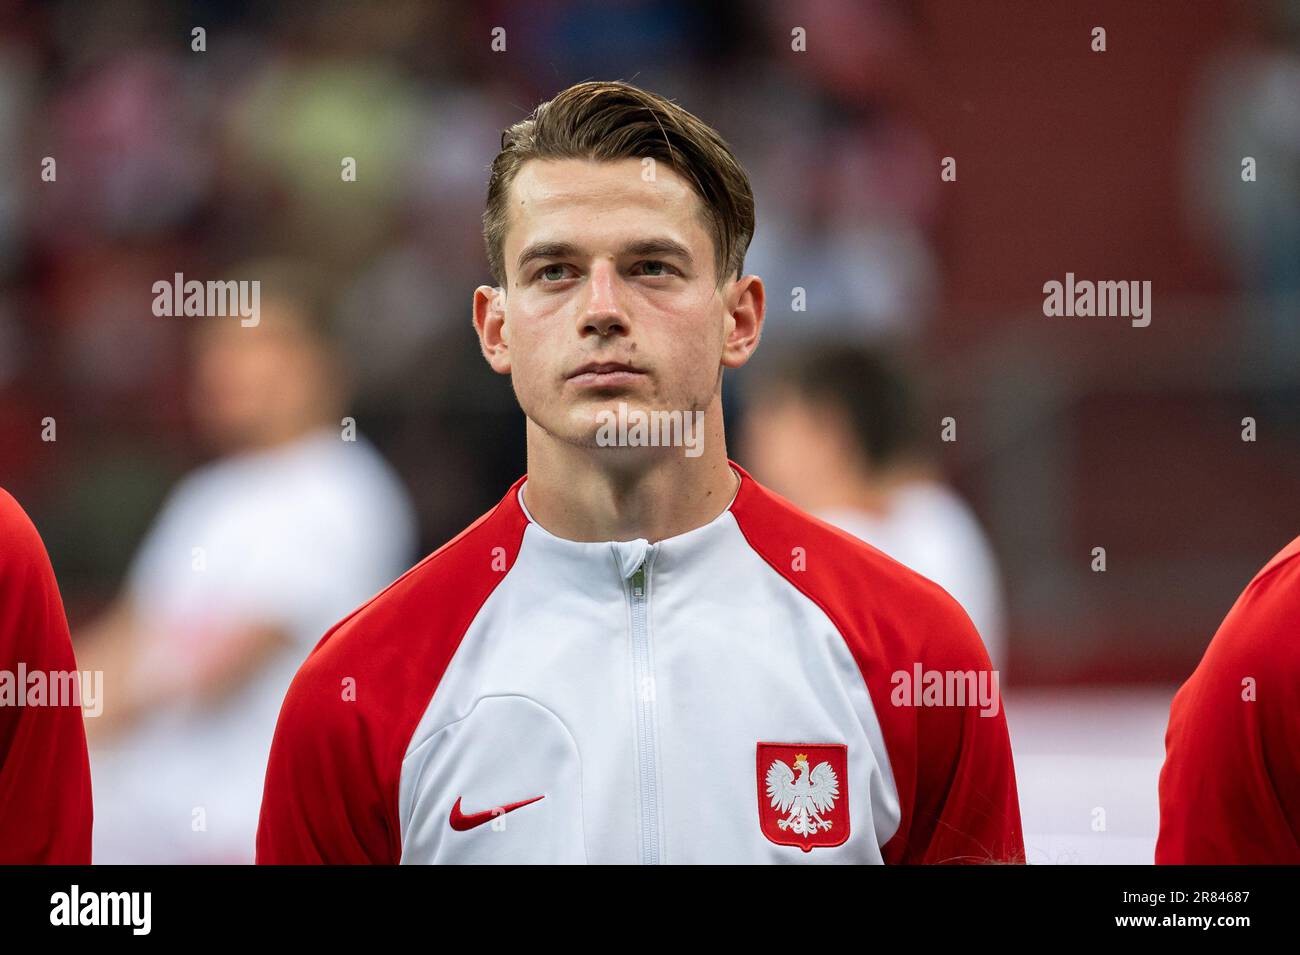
x=1247 y=106
x=844 y=210
x=834 y=430
x=1242 y=186
x=253 y=558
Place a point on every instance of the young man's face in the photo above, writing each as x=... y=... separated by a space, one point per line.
x=612 y=297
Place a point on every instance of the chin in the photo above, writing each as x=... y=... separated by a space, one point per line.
x=588 y=415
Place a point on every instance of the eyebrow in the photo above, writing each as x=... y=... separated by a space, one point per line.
x=658 y=245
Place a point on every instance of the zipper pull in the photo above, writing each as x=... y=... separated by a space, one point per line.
x=638 y=581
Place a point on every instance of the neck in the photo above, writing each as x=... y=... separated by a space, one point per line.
x=599 y=494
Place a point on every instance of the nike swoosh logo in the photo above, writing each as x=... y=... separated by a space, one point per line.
x=461 y=822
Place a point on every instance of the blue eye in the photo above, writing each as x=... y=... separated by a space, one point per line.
x=553 y=278
x=655 y=263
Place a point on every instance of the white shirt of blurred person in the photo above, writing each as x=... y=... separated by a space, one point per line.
x=832 y=430
x=251 y=560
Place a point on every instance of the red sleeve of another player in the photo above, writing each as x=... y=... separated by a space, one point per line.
x=45 y=804
x=1230 y=786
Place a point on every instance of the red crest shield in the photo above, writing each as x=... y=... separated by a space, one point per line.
x=803 y=793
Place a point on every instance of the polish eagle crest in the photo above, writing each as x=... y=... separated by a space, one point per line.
x=802 y=797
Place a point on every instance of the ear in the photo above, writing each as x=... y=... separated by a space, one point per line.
x=746 y=301
x=490 y=324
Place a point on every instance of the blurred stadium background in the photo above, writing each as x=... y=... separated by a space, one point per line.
x=1073 y=433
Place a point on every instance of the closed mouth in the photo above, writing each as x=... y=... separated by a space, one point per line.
x=604 y=368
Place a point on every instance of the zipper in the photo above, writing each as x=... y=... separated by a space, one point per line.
x=643 y=690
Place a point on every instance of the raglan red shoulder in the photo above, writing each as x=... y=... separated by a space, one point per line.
x=332 y=781
x=904 y=614
x=952 y=764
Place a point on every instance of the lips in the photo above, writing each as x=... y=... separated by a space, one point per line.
x=601 y=368
x=604 y=373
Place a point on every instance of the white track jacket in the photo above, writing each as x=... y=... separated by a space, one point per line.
x=763 y=688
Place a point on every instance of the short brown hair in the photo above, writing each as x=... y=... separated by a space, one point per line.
x=605 y=121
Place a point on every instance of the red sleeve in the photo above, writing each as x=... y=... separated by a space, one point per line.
x=325 y=799
x=45 y=804
x=1230 y=786
x=333 y=779
x=951 y=764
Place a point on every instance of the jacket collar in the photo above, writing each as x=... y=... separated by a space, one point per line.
x=671 y=554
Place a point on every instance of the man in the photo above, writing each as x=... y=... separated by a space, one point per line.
x=45 y=804
x=639 y=655
x=1230 y=786
x=251 y=558
x=834 y=429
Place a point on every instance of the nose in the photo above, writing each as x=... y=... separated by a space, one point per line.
x=603 y=314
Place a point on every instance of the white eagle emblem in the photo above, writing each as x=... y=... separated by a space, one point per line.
x=802 y=799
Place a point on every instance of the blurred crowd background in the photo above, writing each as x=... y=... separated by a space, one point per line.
x=1071 y=434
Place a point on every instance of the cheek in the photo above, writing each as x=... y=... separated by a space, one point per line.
x=530 y=366
x=694 y=358
x=528 y=348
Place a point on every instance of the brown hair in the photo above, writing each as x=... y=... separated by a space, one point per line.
x=605 y=121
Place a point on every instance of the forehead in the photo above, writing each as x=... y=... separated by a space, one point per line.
x=552 y=198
